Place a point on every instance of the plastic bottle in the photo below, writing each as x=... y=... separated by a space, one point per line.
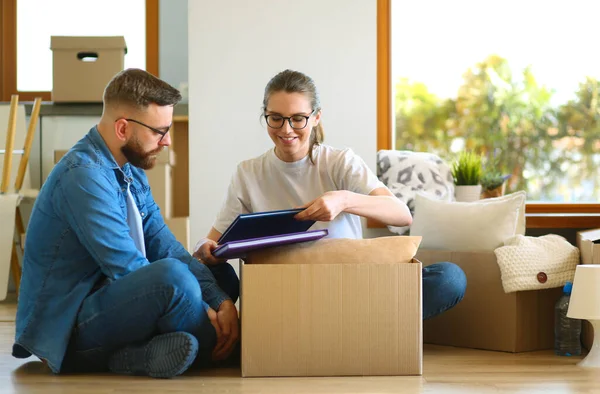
x=567 y=331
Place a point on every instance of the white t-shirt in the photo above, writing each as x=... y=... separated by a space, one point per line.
x=267 y=183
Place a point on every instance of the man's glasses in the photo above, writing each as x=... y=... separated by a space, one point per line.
x=157 y=131
x=296 y=122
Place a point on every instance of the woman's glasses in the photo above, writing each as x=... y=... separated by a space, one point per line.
x=296 y=122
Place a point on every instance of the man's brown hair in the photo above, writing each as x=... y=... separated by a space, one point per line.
x=139 y=89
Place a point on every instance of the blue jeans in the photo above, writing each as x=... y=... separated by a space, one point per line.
x=161 y=297
x=444 y=286
x=165 y=297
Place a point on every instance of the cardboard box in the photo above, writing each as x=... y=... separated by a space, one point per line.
x=83 y=66
x=180 y=227
x=331 y=319
x=588 y=243
x=487 y=317
x=159 y=179
x=58 y=154
x=166 y=156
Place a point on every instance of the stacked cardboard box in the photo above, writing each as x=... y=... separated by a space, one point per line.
x=588 y=243
x=58 y=154
x=84 y=61
x=160 y=181
x=180 y=227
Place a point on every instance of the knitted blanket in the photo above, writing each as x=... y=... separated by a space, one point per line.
x=533 y=263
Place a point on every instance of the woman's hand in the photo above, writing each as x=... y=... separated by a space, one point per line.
x=325 y=208
x=204 y=253
x=380 y=205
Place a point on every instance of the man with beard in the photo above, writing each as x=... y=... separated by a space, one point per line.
x=105 y=285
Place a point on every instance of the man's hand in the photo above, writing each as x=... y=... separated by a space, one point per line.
x=226 y=324
x=212 y=316
x=204 y=253
x=325 y=208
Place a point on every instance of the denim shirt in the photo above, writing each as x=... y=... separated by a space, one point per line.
x=78 y=237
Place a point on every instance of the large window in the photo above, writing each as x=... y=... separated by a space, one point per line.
x=516 y=81
x=27 y=25
x=38 y=20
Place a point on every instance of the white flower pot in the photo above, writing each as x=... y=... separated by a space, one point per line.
x=467 y=193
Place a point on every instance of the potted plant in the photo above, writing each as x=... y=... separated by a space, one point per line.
x=493 y=184
x=492 y=181
x=466 y=171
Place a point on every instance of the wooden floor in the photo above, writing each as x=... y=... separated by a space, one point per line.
x=446 y=370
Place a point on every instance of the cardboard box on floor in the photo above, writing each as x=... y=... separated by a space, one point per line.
x=588 y=243
x=180 y=227
x=160 y=181
x=331 y=308
x=58 y=154
x=487 y=317
x=166 y=156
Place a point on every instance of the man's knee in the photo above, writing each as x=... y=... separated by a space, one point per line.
x=177 y=277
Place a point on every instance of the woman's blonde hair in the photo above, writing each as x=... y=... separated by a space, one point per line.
x=290 y=81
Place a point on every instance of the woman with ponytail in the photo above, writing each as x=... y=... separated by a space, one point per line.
x=335 y=186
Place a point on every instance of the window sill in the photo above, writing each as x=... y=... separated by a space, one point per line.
x=49 y=108
x=543 y=220
x=562 y=220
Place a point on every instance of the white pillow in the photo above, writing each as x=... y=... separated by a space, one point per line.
x=468 y=226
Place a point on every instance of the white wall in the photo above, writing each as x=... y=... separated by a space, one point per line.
x=173 y=41
x=235 y=47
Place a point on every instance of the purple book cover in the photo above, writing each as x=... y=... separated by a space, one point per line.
x=238 y=249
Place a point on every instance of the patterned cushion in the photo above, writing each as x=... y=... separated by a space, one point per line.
x=405 y=173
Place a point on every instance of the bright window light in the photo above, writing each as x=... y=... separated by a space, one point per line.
x=38 y=20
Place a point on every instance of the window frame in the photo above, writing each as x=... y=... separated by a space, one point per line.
x=8 y=49
x=539 y=215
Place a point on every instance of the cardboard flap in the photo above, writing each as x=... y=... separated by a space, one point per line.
x=87 y=43
x=590 y=251
x=591 y=235
x=382 y=250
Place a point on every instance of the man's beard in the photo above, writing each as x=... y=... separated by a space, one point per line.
x=135 y=154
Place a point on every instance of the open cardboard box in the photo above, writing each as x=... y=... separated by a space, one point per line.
x=588 y=243
x=337 y=313
x=487 y=317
